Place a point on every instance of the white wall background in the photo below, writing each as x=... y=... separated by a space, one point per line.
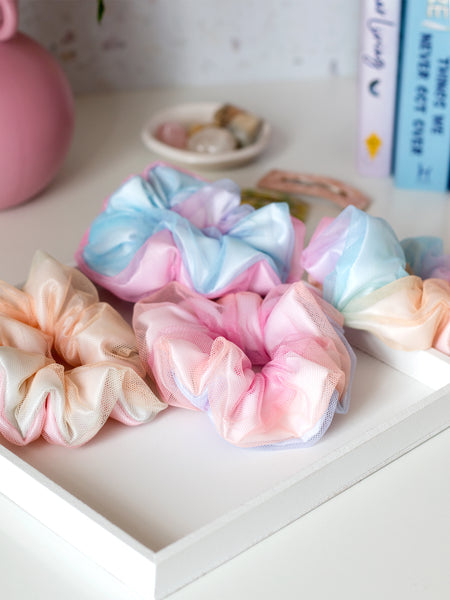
x=147 y=43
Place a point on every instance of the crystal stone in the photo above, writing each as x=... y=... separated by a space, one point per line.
x=172 y=133
x=212 y=140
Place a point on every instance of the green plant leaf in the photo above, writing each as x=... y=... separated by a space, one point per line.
x=100 y=10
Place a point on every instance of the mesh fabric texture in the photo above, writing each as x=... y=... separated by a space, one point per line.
x=268 y=371
x=67 y=361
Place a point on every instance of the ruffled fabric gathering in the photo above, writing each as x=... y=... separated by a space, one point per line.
x=269 y=371
x=169 y=225
x=67 y=361
x=363 y=271
x=172 y=243
x=425 y=257
x=222 y=322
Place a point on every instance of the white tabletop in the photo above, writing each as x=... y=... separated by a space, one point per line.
x=388 y=536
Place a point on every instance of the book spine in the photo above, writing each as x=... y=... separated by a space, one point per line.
x=422 y=152
x=380 y=23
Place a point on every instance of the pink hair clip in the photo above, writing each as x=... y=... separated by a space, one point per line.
x=318 y=186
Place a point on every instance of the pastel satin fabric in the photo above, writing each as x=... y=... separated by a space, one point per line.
x=269 y=371
x=67 y=361
x=168 y=225
x=425 y=257
x=361 y=267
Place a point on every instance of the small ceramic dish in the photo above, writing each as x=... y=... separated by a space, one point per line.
x=201 y=112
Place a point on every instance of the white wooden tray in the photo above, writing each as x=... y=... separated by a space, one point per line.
x=162 y=504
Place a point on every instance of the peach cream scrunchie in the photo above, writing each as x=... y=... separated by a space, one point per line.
x=67 y=361
x=269 y=371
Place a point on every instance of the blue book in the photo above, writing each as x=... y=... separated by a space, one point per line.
x=422 y=146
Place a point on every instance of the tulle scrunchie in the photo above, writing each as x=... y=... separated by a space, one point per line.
x=168 y=225
x=269 y=371
x=362 y=269
x=67 y=361
x=425 y=257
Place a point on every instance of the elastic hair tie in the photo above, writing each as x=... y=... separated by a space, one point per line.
x=169 y=225
x=67 y=361
x=269 y=371
x=361 y=268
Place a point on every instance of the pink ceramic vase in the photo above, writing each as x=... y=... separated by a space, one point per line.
x=36 y=113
